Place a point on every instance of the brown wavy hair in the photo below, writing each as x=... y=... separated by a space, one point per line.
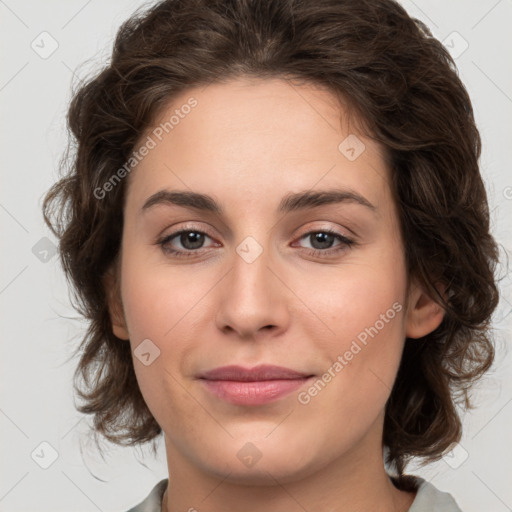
x=404 y=88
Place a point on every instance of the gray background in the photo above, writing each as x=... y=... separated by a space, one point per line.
x=38 y=332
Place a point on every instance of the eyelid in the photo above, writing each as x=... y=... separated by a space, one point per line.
x=185 y=227
x=338 y=230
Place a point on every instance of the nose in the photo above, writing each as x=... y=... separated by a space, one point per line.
x=254 y=298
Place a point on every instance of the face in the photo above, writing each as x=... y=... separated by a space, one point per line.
x=264 y=276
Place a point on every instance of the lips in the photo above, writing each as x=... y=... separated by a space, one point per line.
x=258 y=373
x=252 y=386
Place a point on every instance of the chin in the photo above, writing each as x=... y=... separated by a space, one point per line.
x=260 y=464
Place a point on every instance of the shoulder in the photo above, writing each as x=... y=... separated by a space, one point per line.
x=152 y=502
x=430 y=498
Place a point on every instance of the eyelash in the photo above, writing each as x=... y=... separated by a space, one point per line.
x=345 y=244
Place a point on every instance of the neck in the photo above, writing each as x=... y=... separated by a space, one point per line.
x=351 y=482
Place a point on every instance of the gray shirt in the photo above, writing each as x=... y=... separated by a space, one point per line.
x=428 y=499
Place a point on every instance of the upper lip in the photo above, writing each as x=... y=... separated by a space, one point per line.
x=258 y=373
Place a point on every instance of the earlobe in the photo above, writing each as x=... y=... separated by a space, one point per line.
x=120 y=331
x=115 y=308
x=424 y=315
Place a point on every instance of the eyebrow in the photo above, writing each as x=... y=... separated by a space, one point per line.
x=289 y=203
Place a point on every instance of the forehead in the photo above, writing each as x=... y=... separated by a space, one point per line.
x=250 y=139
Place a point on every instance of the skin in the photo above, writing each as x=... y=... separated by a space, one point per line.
x=248 y=143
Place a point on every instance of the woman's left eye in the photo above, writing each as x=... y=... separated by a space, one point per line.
x=191 y=241
x=325 y=238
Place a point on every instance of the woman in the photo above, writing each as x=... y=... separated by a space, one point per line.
x=276 y=225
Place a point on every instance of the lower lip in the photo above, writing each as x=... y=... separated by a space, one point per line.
x=253 y=393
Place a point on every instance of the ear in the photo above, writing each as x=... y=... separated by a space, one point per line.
x=115 y=307
x=423 y=315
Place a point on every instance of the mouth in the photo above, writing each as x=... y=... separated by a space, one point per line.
x=253 y=386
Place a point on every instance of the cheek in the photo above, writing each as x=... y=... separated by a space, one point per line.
x=362 y=313
x=366 y=315
x=354 y=298
x=156 y=299
x=158 y=312
x=162 y=304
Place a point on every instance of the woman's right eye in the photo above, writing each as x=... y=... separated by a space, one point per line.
x=190 y=239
